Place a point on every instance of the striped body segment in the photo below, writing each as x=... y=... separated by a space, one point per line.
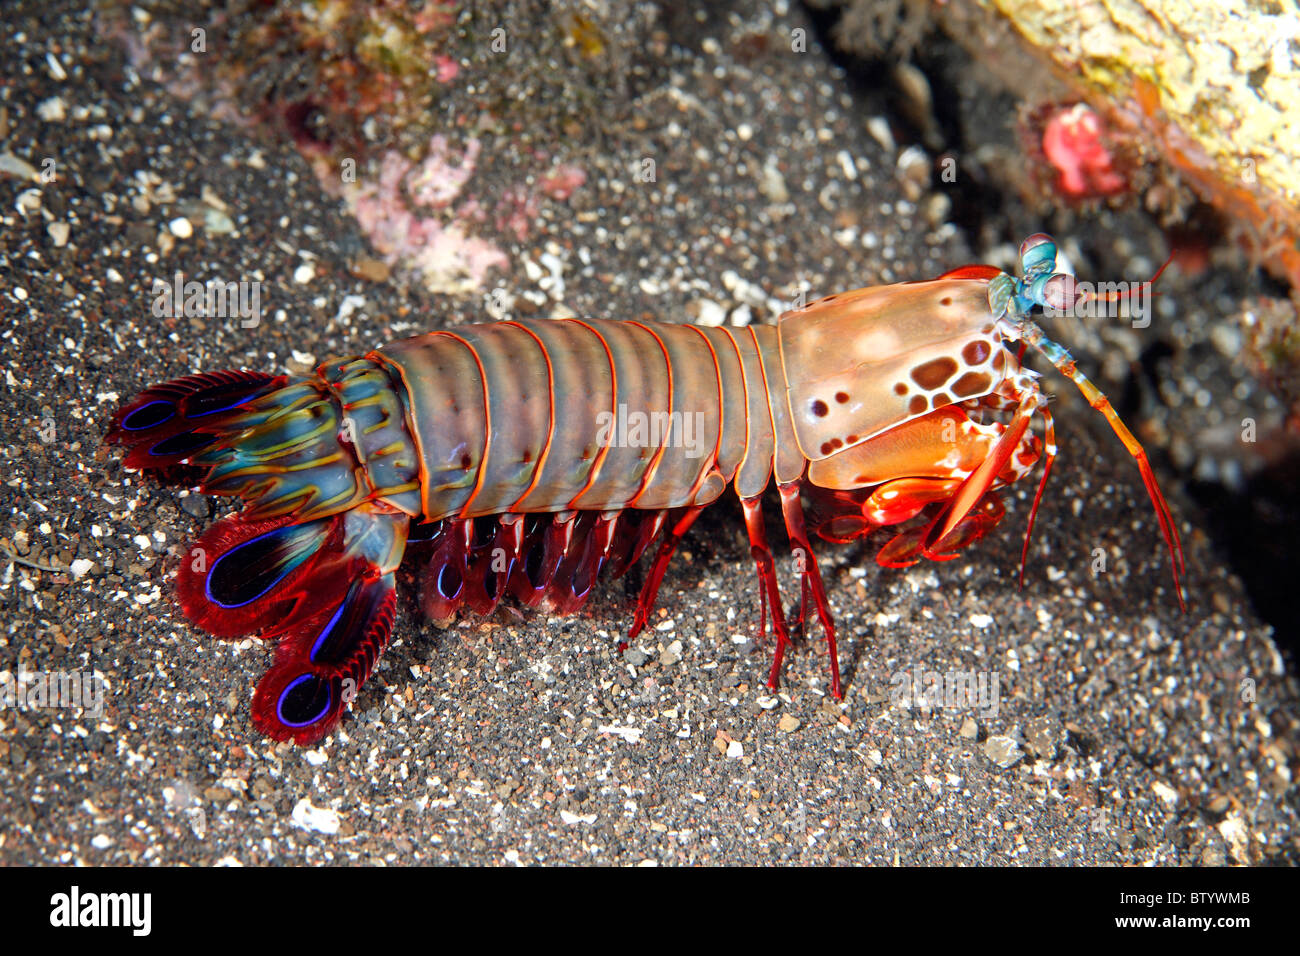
x=592 y=415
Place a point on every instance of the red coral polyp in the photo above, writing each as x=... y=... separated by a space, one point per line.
x=1072 y=143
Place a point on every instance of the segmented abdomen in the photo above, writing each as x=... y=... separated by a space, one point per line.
x=543 y=416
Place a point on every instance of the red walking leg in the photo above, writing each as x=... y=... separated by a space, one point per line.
x=792 y=510
x=769 y=593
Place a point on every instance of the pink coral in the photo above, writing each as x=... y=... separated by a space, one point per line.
x=438 y=180
x=447 y=68
x=1072 y=142
x=399 y=214
x=563 y=180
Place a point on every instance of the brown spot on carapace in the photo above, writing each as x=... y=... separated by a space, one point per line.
x=930 y=375
x=528 y=457
x=851 y=439
x=837 y=443
x=900 y=388
x=999 y=360
x=465 y=462
x=819 y=408
x=917 y=405
x=972 y=383
x=827 y=448
x=941 y=399
x=841 y=397
x=976 y=352
x=946 y=300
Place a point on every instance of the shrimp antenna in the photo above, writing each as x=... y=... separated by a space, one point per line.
x=1013 y=299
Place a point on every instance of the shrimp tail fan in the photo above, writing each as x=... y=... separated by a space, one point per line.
x=323 y=589
x=308 y=562
x=170 y=423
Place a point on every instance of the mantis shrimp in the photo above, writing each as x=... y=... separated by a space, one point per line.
x=526 y=459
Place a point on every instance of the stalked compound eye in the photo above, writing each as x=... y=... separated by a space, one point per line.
x=1059 y=293
x=1037 y=255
